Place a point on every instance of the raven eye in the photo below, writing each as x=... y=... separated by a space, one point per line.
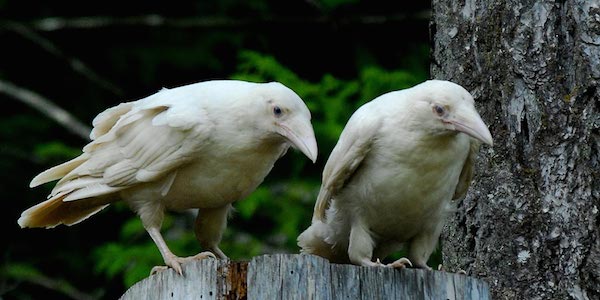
x=440 y=111
x=277 y=111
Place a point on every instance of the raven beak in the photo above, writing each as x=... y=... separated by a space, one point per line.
x=470 y=123
x=300 y=134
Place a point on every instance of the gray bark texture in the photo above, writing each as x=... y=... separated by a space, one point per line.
x=303 y=277
x=530 y=223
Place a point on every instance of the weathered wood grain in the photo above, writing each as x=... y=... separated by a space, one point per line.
x=290 y=276
x=206 y=279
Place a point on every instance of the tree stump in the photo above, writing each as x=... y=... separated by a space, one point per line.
x=289 y=276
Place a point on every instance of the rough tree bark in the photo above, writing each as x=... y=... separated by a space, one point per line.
x=530 y=224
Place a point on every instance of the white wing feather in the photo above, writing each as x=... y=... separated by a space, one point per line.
x=466 y=175
x=354 y=144
x=133 y=143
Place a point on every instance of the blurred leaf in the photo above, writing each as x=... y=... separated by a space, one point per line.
x=133 y=227
x=55 y=152
x=376 y=82
x=134 y=261
x=332 y=4
x=248 y=206
x=21 y=271
x=28 y=273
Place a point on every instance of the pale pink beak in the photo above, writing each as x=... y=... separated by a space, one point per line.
x=469 y=122
x=300 y=134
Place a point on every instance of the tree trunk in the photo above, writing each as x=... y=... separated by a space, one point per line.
x=530 y=223
x=303 y=277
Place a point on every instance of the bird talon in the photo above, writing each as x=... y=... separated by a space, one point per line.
x=400 y=263
x=179 y=270
x=158 y=269
x=201 y=256
x=177 y=267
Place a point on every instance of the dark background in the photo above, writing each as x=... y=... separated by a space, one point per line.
x=87 y=56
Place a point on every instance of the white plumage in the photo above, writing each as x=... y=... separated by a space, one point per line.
x=203 y=145
x=390 y=179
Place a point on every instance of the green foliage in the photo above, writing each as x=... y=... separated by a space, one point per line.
x=332 y=100
x=375 y=81
x=131 y=261
x=55 y=152
x=135 y=254
x=246 y=209
x=22 y=272
x=332 y=4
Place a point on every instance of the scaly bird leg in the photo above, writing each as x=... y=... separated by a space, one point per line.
x=360 y=247
x=171 y=260
x=422 y=245
x=209 y=227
